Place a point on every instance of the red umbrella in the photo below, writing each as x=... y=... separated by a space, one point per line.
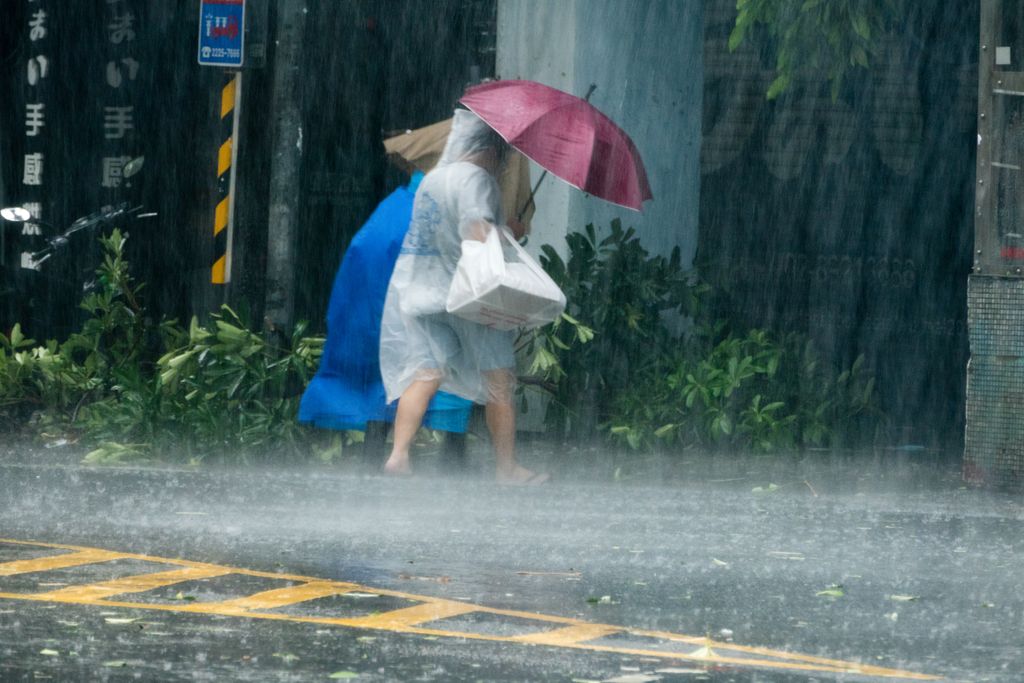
x=566 y=135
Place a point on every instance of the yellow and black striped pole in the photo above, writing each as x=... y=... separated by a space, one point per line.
x=223 y=217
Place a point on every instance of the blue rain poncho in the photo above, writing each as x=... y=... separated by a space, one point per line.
x=419 y=340
x=347 y=391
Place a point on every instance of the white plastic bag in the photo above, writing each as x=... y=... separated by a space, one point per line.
x=499 y=292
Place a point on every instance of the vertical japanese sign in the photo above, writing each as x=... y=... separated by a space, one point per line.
x=221 y=32
x=119 y=72
x=38 y=70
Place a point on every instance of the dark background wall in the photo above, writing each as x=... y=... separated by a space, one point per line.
x=89 y=48
x=369 y=66
x=851 y=221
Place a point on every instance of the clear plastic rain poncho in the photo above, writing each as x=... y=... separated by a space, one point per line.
x=419 y=340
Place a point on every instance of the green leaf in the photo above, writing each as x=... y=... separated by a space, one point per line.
x=343 y=674
x=286 y=657
x=779 y=85
x=736 y=37
x=664 y=430
x=858 y=56
x=725 y=424
x=861 y=26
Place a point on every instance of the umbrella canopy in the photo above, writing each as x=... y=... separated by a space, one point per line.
x=421 y=149
x=566 y=135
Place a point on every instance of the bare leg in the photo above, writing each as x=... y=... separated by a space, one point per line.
x=412 y=405
x=501 y=422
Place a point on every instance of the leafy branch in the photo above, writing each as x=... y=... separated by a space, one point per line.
x=828 y=37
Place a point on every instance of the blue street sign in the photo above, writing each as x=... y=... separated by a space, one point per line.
x=221 y=32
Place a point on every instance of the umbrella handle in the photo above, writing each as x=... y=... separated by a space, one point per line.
x=529 y=200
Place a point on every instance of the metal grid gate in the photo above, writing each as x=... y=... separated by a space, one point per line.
x=994 y=452
x=994 y=443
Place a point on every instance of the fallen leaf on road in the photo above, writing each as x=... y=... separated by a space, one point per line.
x=904 y=598
x=719 y=562
x=703 y=653
x=786 y=555
x=49 y=653
x=834 y=591
x=603 y=600
x=633 y=678
x=115 y=663
x=286 y=657
x=435 y=579
x=186 y=598
x=765 y=489
x=118 y=620
x=343 y=674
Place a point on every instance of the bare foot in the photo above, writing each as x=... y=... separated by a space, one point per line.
x=397 y=466
x=520 y=476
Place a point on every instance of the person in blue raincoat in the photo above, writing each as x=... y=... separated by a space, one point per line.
x=347 y=391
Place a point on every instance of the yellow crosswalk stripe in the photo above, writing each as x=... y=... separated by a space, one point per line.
x=282 y=597
x=133 y=584
x=45 y=564
x=418 y=614
x=425 y=618
x=570 y=635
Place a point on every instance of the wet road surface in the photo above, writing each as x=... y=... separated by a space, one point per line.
x=745 y=570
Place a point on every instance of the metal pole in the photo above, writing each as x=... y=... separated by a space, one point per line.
x=234 y=176
x=286 y=157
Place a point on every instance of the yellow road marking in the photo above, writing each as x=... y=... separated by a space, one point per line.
x=133 y=584
x=565 y=632
x=282 y=597
x=407 y=617
x=45 y=564
x=570 y=635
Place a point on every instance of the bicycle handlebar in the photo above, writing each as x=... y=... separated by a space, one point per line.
x=58 y=242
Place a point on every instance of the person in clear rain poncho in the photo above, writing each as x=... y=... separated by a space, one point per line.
x=422 y=347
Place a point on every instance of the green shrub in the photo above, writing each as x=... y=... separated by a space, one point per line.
x=57 y=380
x=133 y=388
x=621 y=300
x=653 y=373
x=752 y=392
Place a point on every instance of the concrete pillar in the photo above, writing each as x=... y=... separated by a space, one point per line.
x=646 y=59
